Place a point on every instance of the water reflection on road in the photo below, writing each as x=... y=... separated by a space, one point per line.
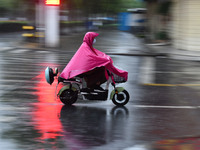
x=87 y=127
x=78 y=127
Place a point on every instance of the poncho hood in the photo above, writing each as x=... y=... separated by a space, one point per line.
x=89 y=38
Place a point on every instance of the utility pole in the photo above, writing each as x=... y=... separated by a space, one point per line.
x=52 y=35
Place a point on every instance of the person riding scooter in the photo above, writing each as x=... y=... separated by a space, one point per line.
x=93 y=67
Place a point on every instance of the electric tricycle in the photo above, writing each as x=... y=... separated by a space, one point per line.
x=85 y=74
x=68 y=94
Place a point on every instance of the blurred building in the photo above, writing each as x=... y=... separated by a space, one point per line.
x=186 y=24
x=133 y=20
x=178 y=20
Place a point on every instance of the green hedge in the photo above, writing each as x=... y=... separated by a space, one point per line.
x=64 y=24
x=162 y=35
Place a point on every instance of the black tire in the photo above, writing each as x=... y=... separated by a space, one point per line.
x=121 y=98
x=69 y=97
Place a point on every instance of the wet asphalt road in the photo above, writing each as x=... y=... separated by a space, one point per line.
x=164 y=103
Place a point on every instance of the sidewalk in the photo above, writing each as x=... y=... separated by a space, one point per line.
x=166 y=49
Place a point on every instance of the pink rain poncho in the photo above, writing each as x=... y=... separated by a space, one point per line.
x=88 y=58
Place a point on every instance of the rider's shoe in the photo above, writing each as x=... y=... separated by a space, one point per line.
x=99 y=89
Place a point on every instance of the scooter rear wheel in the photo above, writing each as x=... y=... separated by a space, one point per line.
x=121 y=98
x=68 y=97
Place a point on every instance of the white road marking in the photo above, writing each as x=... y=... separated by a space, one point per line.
x=167 y=107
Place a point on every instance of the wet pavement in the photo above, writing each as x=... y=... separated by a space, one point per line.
x=163 y=112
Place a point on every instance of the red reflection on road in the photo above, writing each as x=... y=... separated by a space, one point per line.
x=47 y=111
x=46 y=116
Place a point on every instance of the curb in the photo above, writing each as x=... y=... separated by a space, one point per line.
x=184 y=57
x=134 y=54
x=171 y=53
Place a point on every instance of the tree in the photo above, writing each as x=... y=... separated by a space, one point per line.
x=102 y=6
x=12 y=8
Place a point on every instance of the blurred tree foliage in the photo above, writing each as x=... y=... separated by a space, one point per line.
x=24 y=7
x=15 y=8
x=164 y=8
x=7 y=6
x=103 y=6
x=125 y=4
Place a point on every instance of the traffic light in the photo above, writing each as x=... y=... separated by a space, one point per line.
x=52 y=2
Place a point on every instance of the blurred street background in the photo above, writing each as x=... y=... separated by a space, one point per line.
x=156 y=41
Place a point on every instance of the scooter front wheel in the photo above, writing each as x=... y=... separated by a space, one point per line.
x=121 y=98
x=68 y=97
